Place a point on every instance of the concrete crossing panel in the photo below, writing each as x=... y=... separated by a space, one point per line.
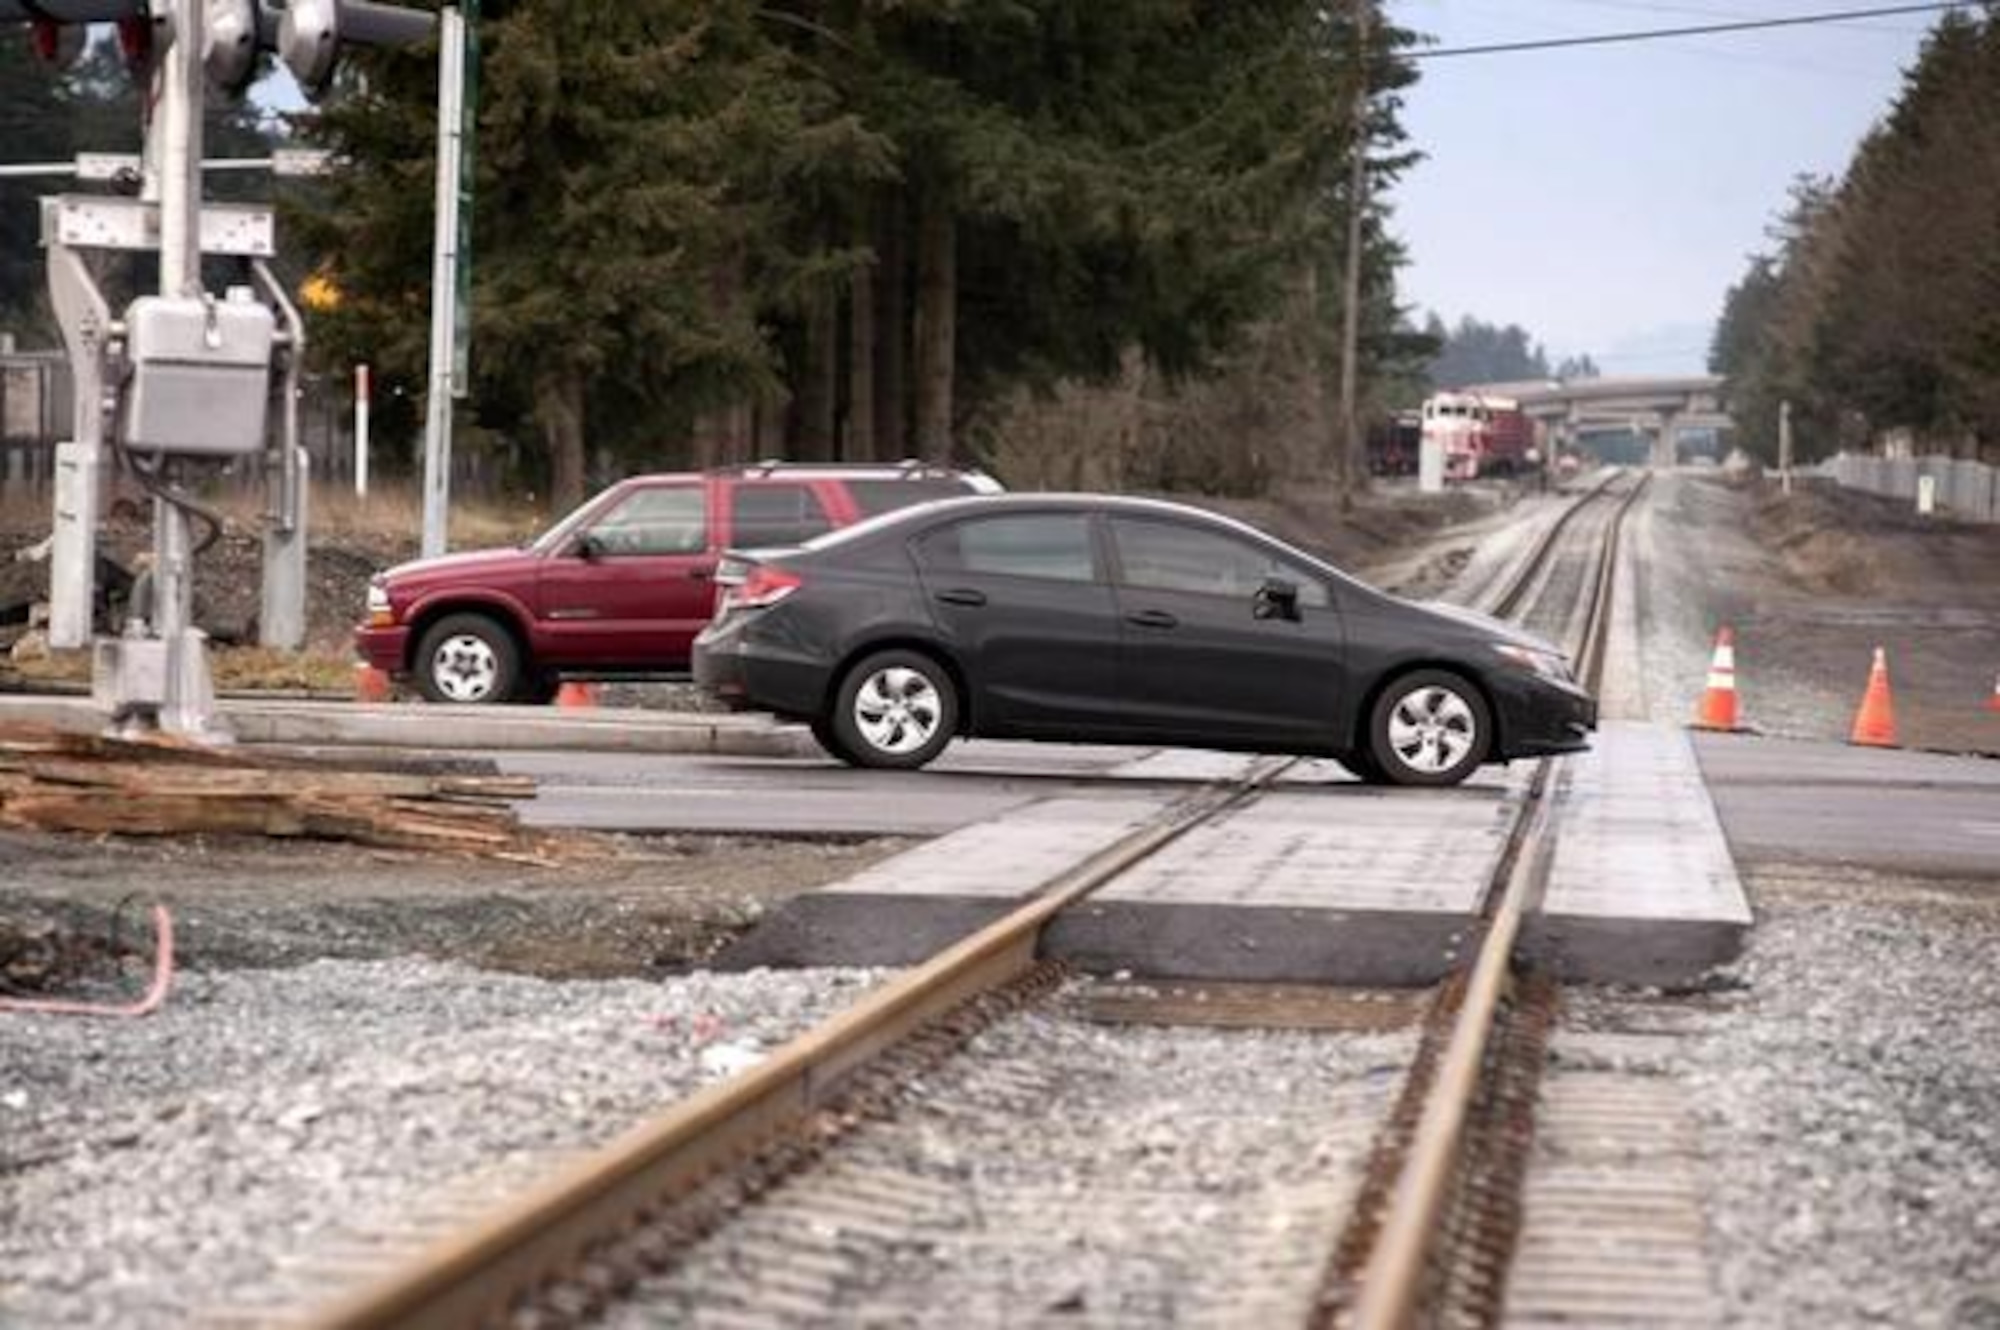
x=1642 y=889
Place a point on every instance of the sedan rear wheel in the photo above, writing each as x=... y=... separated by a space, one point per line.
x=894 y=709
x=1430 y=727
x=823 y=734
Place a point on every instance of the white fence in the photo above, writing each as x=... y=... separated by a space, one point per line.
x=1969 y=491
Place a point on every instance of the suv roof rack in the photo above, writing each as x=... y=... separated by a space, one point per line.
x=912 y=467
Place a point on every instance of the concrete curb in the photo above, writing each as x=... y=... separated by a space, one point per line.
x=395 y=725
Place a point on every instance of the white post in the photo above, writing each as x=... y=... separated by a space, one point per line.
x=1785 y=446
x=444 y=283
x=178 y=136
x=361 y=431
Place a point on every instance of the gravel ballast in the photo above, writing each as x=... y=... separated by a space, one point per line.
x=1066 y=1172
x=1847 y=1103
x=155 y=1169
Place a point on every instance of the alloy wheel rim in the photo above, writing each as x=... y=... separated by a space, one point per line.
x=1432 y=729
x=897 y=710
x=465 y=668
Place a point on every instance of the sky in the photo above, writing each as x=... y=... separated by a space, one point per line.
x=1606 y=198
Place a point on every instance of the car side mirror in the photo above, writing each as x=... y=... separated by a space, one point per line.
x=1276 y=599
x=588 y=547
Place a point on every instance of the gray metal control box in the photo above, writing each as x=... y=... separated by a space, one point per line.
x=201 y=375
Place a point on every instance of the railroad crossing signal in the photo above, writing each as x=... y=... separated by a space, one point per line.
x=308 y=36
x=193 y=377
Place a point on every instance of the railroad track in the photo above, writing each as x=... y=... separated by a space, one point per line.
x=575 y=1246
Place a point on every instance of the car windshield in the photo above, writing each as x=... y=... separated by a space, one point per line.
x=559 y=534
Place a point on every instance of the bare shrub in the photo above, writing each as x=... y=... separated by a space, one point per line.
x=1256 y=422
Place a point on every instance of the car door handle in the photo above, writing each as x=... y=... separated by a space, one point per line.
x=962 y=596
x=700 y=574
x=1153 y=619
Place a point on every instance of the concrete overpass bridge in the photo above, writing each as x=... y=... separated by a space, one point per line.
x=1660 y=405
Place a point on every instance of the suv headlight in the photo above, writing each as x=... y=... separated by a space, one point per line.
x=1549 y=664
x=379 y=613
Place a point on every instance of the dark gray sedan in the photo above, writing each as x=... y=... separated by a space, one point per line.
x=1088 y=619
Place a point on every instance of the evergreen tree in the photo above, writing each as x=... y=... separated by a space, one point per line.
x=733 y=229
x=1880 y=306
x=35 y=124
x=1477 y=352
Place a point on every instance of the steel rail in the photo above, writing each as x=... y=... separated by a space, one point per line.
x=1392 y=1279
x=473 y=1277
x=1516 y=589
x=1597 y=629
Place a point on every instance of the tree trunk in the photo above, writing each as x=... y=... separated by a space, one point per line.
x=937 y=323
x=819 y=387
x=559 y=410
x=892 y=330
x=721 y=434
x=859 y=444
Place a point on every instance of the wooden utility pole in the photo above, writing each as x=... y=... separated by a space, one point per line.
x=1353 y=458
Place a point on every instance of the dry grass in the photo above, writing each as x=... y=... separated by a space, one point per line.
x=399 y=512
x=387 y=515
x=259 y=669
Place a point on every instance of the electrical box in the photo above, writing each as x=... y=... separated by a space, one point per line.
x=201 y=374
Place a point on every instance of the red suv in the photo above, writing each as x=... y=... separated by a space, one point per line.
x=621 y=586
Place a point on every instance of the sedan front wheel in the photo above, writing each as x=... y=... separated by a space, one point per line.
x=894 y=709
x=1430 y=727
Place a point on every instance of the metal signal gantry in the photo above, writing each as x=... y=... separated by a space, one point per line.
x=182 y=378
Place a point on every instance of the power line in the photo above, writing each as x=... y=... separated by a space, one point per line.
x=1701 y=30
x=1689 y=11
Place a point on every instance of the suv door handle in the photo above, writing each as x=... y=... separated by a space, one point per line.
x=962 y=596
x=1152 y=619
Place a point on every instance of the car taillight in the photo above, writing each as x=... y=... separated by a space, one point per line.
x=763 y=587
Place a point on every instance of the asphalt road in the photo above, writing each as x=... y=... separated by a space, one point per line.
x=802 y=796
x=1781 y=801
x=1789 y=801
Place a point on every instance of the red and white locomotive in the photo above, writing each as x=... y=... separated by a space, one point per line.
x=1478 y=435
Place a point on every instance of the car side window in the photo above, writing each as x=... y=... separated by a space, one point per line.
x=1054 y=546
x=1169 y=556
x=775 y=514
x=659 y=519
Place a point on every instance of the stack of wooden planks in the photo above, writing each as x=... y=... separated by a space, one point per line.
x=57 y=781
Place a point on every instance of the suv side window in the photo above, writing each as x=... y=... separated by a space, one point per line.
x=1055 y=546
x=659 y=519
x=1168 y=556
x=883 y=496
x=763 y=513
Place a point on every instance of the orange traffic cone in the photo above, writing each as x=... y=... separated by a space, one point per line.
x=370 y=684
x=1718 y=701
x=575 y=695
x=1875 y=723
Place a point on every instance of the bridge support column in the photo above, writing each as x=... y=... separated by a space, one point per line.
x=1666 y=440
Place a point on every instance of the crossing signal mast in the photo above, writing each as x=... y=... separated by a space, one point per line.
x=182 y=380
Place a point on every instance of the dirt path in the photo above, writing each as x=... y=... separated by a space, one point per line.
x=1812 y=583
x=653 y=906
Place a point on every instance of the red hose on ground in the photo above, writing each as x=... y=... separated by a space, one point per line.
x=163 y=978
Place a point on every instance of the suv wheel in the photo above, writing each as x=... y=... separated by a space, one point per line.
x=1430 y=727
x=894 y=709
x=467 y=658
